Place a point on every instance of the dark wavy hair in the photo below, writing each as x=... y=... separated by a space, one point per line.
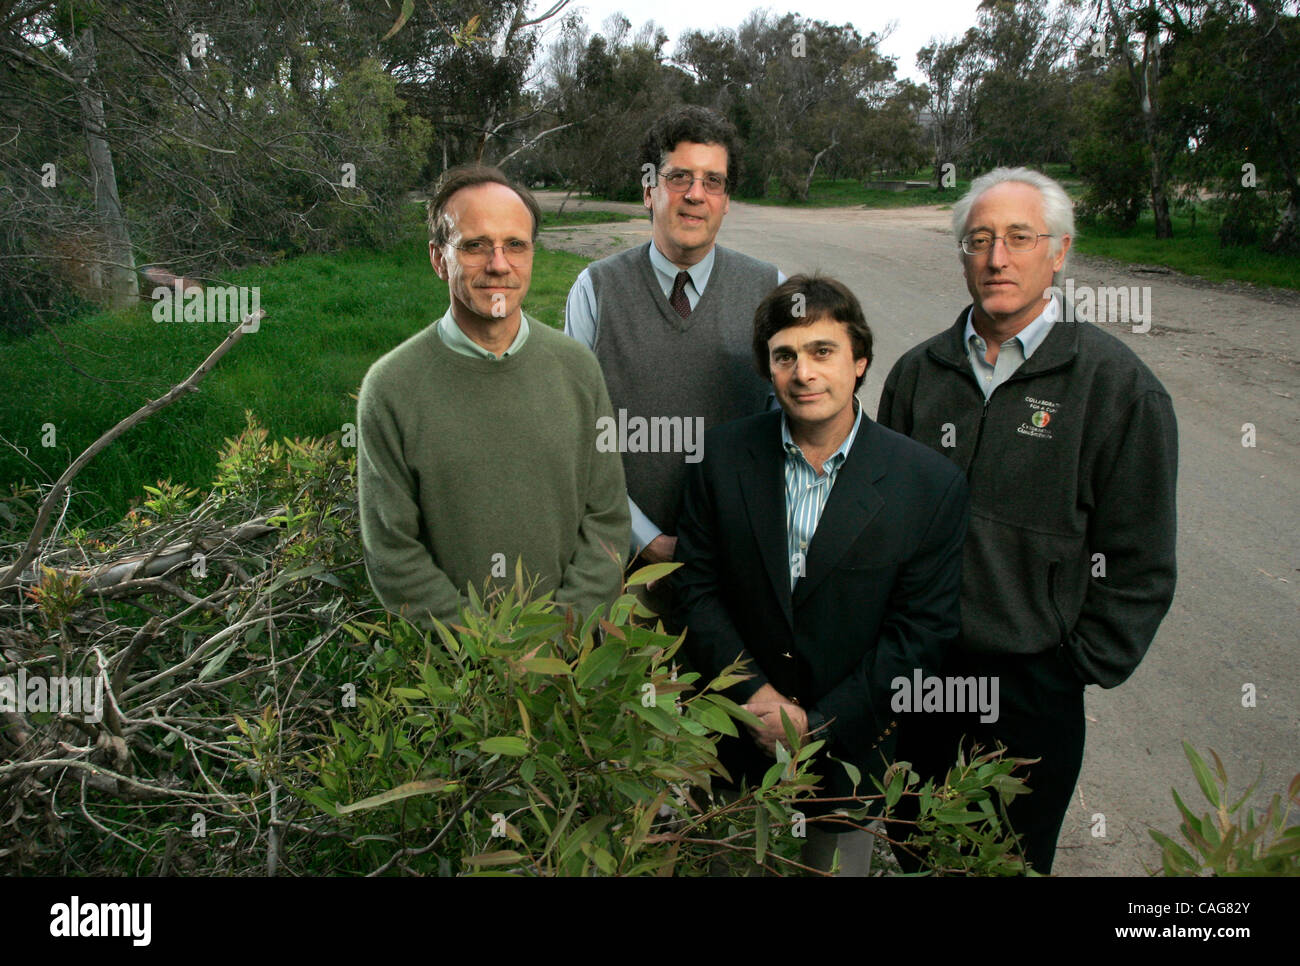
x=823 y=297
x=695 y=124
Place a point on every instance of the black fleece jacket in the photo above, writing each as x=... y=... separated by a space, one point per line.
x=1072 y=465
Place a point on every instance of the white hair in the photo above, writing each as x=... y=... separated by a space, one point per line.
x=1058 y=209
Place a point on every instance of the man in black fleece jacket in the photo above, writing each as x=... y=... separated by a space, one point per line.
x=1070 y=447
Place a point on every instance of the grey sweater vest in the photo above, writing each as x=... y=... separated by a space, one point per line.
x=661 y=367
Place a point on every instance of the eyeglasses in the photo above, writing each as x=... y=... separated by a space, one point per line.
x=679 y=182
x=979 y=242
x=476 y=254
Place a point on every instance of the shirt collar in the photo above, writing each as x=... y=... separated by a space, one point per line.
x=699 y=272
x=837 y=458
x=454 y=337
x=1032 y=335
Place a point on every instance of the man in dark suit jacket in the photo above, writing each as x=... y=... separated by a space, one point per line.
x=821 y=547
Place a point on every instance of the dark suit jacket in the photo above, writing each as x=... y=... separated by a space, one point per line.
x=878 y=598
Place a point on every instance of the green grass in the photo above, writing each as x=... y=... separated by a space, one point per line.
x=846 y=192
x=551 y=219
x=328 y=318
x=826 y=193
x=1192 y=251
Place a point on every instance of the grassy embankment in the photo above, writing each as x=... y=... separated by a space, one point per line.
x=328 y=318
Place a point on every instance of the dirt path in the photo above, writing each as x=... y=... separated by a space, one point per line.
x=1229 y=356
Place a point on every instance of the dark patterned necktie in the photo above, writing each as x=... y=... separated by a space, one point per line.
x=678 y=299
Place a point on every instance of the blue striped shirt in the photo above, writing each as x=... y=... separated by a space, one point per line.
x=806 y=493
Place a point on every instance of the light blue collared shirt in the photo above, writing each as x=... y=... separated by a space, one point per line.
x=1012 y=353
x=580 y=323
x=666 y=272
x=580 y=310
x=454 y=338
x=806 y=493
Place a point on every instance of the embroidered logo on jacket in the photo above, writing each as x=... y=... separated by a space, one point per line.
x=1041 y=413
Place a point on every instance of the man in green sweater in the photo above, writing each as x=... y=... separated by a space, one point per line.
x=477 y=436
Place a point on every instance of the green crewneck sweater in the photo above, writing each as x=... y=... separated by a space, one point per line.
x=465 y=465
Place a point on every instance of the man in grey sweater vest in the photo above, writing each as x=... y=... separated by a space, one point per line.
x=671 y=322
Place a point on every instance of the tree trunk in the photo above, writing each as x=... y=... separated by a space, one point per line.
x=113 y=267
x=812 y=169
x=1159 y=199
x=1146 y=80
x=1287 y=237
x=1150 y=113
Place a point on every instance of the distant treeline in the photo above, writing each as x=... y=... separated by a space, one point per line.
x=137 y=132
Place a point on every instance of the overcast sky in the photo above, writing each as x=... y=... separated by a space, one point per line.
x=916 y=21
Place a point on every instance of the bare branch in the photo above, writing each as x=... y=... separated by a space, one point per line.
x=144 y=412
x=532 y=141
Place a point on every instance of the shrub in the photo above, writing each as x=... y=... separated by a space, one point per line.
x=1222 y=844
x=262 y=714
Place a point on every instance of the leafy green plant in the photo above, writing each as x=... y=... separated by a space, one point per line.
x=1222 y=843
x=263 y=713
x=517 y=741
x=169 y=499
x=961 y=826
x=57 y=596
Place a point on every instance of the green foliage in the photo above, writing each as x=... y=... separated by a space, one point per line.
x=229 y=138
x=1021 y=48
x=1111 y=157
x=807 y=97
x=962 y=826
x=517 y=741
x=999 y=113
x=514 y=741
x=1227 y=841
x=1246 y=216
x=368 y=126
x=609 y=90
x=356 y=154
x=241 y=651
x=57 y=596
x=1235 y=89
x=329 y=318
x=169 y=499
x=1195 y=249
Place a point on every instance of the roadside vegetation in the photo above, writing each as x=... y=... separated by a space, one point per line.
x=329 y=317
